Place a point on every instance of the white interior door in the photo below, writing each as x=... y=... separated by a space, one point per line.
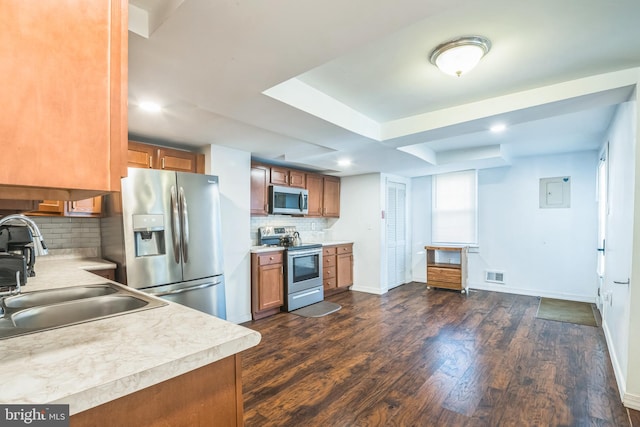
x=603 y=210
x=396 y=220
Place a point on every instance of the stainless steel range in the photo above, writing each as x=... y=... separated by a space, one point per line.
x=302 y=266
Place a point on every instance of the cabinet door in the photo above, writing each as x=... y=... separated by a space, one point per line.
x=314 y=187
x=344 y=268
x=50 y=207
x=178 y=160
x=259 y=189
x=64 y=80
x=279 y=176
x=270 y=286
x=297 y=179
x=85 y=207
x=140 y=155
x=331 y=197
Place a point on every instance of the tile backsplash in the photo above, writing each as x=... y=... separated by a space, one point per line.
x=70 y=233
x=310 y=229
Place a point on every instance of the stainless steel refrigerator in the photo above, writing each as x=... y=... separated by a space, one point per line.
x=170 y=243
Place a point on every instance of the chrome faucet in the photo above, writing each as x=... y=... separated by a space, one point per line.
x=39 y=247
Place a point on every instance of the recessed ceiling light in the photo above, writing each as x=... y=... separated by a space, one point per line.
x=344 y=162
x=459 y=56
x=150 y=107
x=498 y=128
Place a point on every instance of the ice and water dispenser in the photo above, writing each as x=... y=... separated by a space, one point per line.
x=148 y=231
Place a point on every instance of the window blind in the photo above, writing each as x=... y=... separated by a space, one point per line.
x=454 y=209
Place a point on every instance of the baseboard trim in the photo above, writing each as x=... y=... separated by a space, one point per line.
x=631 y=401
x=617 y=370
x=369 y=290
x=531 y=292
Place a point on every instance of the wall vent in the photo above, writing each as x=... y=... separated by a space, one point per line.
x=494 y=276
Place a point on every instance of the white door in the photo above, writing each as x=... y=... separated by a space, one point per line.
x=396 y=214
x=603 y=210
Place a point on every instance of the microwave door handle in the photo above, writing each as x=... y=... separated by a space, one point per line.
x=300 y=201
x=184 y=223
x=175 y=224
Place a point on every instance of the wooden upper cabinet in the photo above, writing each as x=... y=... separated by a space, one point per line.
x=259 y=189
x=141 y=155
x=288 y=177
x=315 y=187
x=181 y=161
x=64 y=94
x=85 y=207
x=331 y=197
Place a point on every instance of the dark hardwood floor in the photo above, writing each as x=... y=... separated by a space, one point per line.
x=418 y=357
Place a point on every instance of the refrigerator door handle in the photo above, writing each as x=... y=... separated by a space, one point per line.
x=182 y=290
x=184 y=219
x=175 y=224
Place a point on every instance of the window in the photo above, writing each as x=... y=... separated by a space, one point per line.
x=454 y=212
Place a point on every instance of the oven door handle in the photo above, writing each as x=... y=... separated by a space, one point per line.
x=182 y=290
x=303 y=252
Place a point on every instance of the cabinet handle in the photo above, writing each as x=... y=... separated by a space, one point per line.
x=150 y=162
x=271 y=258
x=163 y=163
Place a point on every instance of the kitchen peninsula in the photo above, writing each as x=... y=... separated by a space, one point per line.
x=142 y=368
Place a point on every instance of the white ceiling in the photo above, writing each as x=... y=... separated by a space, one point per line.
x=310 y=82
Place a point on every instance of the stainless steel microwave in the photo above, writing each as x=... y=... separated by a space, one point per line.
x=288 y=200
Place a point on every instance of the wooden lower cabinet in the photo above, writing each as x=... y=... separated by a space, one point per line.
x=267 y=283
x=207 y=396
x=337 y=268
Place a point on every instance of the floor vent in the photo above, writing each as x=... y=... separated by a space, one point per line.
x=494 y=276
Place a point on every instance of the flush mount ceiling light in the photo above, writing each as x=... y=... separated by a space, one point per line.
x=459 y=56
x=150 y=107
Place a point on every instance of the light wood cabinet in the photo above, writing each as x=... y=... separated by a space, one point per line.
x=267 y=283
x=287 y=177
x=87 y=208
x=207 y=396
x=447 y=267
x=324 y=195
x=337 y=268
x=260 y=177
x=324 y=190
x=64 y=95
x=141 y=155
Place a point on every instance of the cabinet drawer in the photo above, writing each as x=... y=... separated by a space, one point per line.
x=329 y=250
x=447 y=275
x=329 y=261
x=328 y=272
x=270 y=258
x=329 y=283
x=344 y=249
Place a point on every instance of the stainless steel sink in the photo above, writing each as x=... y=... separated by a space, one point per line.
x=53 y=296
x=39 y=311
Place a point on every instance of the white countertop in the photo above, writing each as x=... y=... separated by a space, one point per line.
x=263 y=248
x=92 y=363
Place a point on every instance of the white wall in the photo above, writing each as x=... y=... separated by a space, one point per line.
x=543 y=252
x=233 y=167
x=360 y=221
x=421 y=226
